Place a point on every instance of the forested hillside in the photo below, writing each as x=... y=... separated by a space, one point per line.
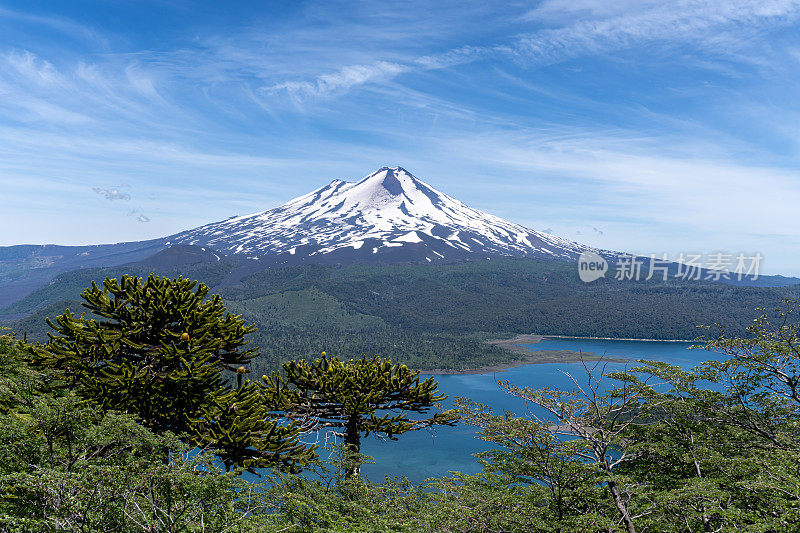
x=432 y=316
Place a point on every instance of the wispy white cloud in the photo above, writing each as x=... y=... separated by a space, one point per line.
x=344 y=79
x=648 y=195
x=614 y=26
x=585 y=28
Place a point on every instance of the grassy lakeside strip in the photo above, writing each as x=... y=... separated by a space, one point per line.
x=529 y=357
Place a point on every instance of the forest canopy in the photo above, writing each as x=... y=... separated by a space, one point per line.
x=653 y=448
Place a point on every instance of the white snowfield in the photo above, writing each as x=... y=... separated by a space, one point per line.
x=388 y=209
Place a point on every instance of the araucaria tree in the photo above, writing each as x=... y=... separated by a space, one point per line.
x=360 y=396
x=239 y=426
x=160 y=348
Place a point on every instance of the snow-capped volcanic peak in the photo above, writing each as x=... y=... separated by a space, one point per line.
x=389 y=215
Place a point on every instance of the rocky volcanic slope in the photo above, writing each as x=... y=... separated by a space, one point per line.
x=388 y=216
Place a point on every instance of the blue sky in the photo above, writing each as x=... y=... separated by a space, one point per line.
x=645 y=126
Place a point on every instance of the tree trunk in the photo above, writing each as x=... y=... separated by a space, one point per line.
x=621 y=507
x=706 y=521
x=352 y=446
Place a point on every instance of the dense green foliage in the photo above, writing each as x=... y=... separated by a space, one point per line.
x=66 y=465
x=656 y=448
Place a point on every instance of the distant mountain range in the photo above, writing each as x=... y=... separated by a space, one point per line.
x=388 y=217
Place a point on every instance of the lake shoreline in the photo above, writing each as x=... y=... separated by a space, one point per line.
x=611 y=339
x=540 y=357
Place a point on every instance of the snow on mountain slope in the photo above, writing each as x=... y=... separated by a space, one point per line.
x=388 y=216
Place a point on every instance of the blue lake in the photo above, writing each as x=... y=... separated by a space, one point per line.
x=422 y=454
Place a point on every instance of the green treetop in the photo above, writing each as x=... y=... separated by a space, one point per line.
x=238 y=425
x=360 y=396
x=160 y=349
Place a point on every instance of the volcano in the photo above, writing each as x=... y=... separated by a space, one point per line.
x=389 y=216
